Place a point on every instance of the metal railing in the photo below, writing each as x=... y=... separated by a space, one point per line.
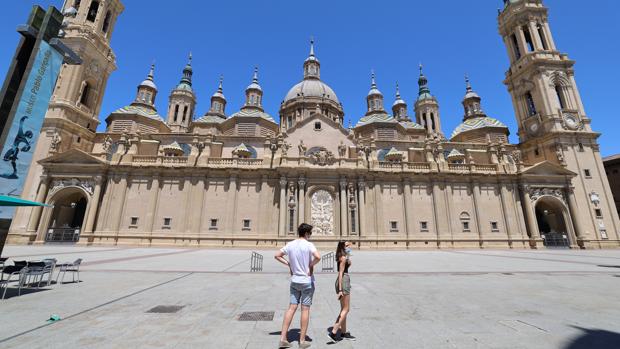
x=555 y=240
x=63 y=235
x=328 y=262
x=256 y=262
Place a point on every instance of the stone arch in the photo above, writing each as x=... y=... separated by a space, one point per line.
x=554 y=221
x=65 y=220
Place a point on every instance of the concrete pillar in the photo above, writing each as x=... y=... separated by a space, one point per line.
x=283 y=207
x=475 y=188
x=35 y=216
x=530 y=214
x=120 y=203
x=535 y=37
x=504 y=196
x=361 y=188
x=343 y=207
x=231 y=200
x=574 y=212
x=151 y=213
x=302 y=201
x=409 y=223
x=93 y=206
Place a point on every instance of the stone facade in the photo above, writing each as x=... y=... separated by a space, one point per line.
x=391 y=181
x=612 y=169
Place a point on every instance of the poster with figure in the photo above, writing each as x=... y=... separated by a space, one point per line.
x=24 y=132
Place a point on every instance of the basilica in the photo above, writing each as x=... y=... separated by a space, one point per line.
x=394 y=179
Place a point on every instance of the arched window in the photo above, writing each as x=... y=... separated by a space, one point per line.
x=531 y=107
x=106 y=22
x=176 y=113
x=424 y=120
x=184 y=113
x=251 y=99
x=84 y=96
x=559 y=91
x=433 y=122
x=92 y=11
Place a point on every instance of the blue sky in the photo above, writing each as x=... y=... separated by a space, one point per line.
x=450 y=38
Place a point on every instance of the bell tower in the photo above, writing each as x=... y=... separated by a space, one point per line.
x=73 y=115
x=553 y=124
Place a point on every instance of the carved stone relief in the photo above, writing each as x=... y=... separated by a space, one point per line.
x=60 y=184
x=537 y=193
x=322 y=213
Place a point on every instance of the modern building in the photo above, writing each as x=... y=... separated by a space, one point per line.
x=394 y=180
x=612 y=168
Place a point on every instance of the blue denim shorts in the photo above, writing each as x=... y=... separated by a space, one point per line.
x=302 y=293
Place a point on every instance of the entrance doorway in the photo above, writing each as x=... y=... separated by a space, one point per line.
x=67 y=218
x=551 y=219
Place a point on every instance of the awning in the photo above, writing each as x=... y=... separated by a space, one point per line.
x=11 y=201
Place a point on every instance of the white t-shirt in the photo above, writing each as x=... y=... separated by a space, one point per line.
x=300 y=256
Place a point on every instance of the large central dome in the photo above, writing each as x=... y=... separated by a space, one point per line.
x=311 y=88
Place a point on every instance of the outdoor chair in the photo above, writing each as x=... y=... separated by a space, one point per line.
x=36 y=272
x=69 y=267
x=21 y=281
x=12 y=269
x=2 y=260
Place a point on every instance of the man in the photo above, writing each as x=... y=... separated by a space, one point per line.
x=302 y=257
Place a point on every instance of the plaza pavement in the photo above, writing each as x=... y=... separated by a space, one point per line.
x=400 y=299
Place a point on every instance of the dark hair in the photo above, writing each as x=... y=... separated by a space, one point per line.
x=304 y=229
x=340 y=250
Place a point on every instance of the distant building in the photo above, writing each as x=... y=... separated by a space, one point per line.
x=395 y=179
x=612 y=168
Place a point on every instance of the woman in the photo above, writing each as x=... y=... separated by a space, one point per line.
x=343 y=289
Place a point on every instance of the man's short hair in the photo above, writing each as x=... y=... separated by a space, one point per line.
x=304 y=229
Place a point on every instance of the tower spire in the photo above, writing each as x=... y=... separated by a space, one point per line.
x=424 y=91
x=312 y=46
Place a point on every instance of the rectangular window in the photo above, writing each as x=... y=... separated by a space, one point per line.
x=587 y=173
x=213 y=224
x=424 y=226
x=531 y=106
x=246 y=224
x=494 y=226
x=465 y=226
x=598 y=212
x=92 y=11
x=317 y=126
x=393 y=226
x=134 y=220
x=515 y=45
x=353 y=226
x=528 y=39
x=581 y=147
x=167 y=222
x=289 y=122
x=604 y=234
x=541 y=34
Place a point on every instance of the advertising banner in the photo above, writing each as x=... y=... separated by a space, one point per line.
x=24 y=132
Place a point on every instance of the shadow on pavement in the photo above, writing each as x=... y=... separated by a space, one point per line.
x=594 y=339
x=12 y=292
x=292 y=335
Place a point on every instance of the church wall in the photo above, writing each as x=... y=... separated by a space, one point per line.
x=422 y=212
x=393 y=209
x=328 y=137
x=215 y=203
x=490 y=210
x=248 y=207
x=464 y=211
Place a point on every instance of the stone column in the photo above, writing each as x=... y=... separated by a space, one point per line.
x=361 y=188
x=574 y=212
x=302 y=201
x=532 y=223
x=283 y=207
x=504 y=199
x=343 y=207
x=475 y=187
x=535 y=37
x=231 y=199
x=93 y=207
x=408 y=207
x=151 y=213
x=36 y=211
x=521 y=40
x=118 y=214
